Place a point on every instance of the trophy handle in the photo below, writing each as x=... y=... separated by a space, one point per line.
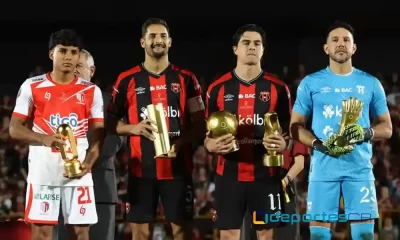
x=271 y=122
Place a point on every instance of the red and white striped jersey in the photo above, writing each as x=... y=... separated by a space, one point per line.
x=50 y=104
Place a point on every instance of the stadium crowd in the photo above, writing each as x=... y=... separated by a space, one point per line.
x=14 y=168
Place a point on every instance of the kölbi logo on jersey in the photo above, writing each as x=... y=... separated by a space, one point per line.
x=57 y=120
x=169 y=112
x=254 y=119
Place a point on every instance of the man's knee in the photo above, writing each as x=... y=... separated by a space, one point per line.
x=320 y=231
x=79 y=230
x=182 y=230
x=229 y=234
x=42 y=232
x=362 y=230
x=140 y=230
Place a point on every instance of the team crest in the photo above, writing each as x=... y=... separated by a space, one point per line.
x=127 y=207
x=175 y=87
x=265 y=96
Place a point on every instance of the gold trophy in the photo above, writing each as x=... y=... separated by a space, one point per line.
x=272 y=127
x=221 y=123
x=351 y=113
x=72 y=166
x=162 y=144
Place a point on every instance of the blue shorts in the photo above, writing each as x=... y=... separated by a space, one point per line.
x=359 y=198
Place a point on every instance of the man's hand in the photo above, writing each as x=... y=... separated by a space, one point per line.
x=354 y=134
x=274 y=143
x=220 y=145
x=145 y=128
x=85 y=169
x=334 y=150
x=53 y=141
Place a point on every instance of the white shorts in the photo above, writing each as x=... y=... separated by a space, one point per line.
x=43 y=204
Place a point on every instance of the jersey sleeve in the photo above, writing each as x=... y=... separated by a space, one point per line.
x=378 y=100
x=193 y=95
x=284 y=107
x=211 y=100
x=97 y=108
x=24 y=102
x=117 y=106
x=303 y=104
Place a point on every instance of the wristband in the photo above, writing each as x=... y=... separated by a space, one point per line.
x=318 y=145
x=368 y=134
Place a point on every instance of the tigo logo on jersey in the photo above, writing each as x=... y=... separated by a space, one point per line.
x=254 y=119
x=57 y=120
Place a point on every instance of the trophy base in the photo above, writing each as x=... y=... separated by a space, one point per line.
x=273 y=161
x=72 y=168
x=235 y=146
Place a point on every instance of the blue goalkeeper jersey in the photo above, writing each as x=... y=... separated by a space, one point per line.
x=320 y=96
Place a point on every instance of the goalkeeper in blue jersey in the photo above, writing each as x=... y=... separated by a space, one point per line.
x=341 y=161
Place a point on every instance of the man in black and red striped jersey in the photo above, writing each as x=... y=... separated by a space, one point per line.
x=157 y=81
x=242 y=181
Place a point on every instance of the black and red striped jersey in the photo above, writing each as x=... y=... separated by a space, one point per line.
x=249 y=100
x=180 y=93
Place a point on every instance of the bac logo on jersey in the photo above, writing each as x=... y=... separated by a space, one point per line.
x=56 y=120
x=247 y=95
x=175 y=87
x=265 y=96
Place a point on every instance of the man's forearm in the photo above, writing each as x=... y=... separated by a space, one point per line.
x=21 y=133
x=302 y=135
x=382 y=131
x=118 y=127
x=297 y=167
x=97 y=143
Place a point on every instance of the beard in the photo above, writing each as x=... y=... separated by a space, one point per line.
x=340 y=58
x=150 y=50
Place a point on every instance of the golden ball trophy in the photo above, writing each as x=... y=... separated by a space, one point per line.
x=72 y=166
x=222 y=123
x=351 y=113
x=162 y=144
x=272 y=127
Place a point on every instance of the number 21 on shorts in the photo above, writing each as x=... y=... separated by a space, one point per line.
x=84 y=195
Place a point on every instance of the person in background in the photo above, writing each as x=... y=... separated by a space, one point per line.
x=103 y=171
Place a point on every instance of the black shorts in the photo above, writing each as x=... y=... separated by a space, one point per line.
x=234 y=198
x=144 y=195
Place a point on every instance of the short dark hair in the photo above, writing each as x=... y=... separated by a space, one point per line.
x=249 y=28
x=339 y=24
x=66 y=37
x=154 y=21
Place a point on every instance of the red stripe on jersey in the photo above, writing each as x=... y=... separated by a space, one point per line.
x=220 y=103
x=122 y=76
x=163 y=165
x=246 y=165
x=182 y=101
x=280 y=82
x=220 y=80
x=135 y=163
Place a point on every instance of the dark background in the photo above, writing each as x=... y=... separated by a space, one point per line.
x=201 y=35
